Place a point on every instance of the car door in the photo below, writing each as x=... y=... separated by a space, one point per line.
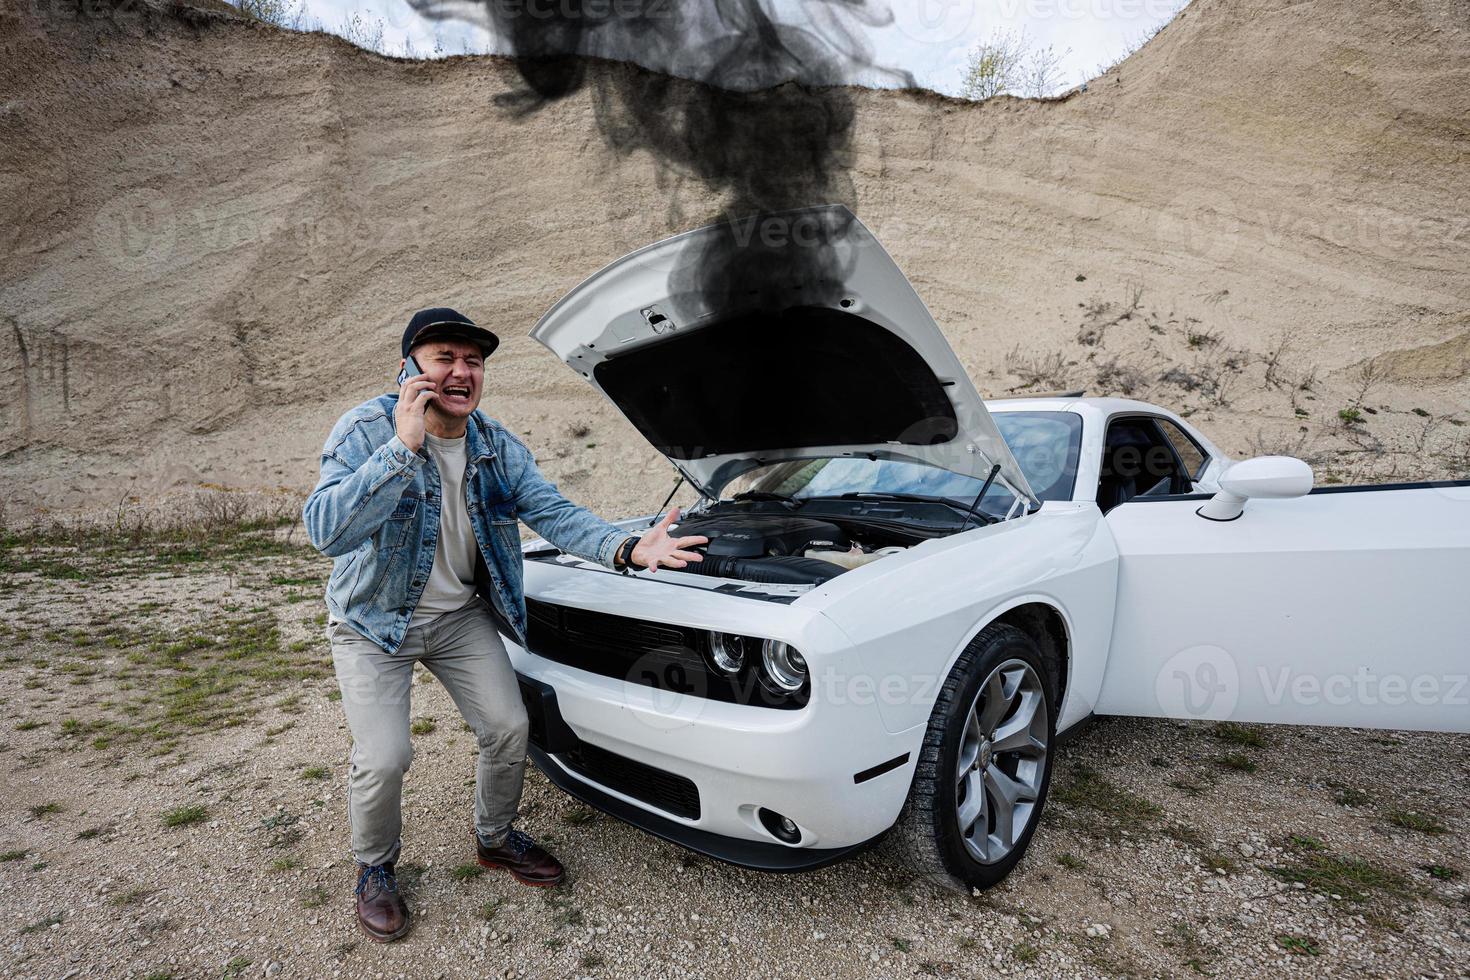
x=1347 y=606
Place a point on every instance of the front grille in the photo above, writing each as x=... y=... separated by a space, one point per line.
x=670 y=793
x=659 y=655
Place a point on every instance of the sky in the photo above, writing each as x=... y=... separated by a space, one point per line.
x=931 y=39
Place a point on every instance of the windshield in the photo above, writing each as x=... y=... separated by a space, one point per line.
x=1046 y=446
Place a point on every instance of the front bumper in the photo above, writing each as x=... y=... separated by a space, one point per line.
x=699 y=772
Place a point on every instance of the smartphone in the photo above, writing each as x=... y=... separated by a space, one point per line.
x=411 y=369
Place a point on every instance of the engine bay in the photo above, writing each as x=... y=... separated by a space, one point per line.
x=759 y=542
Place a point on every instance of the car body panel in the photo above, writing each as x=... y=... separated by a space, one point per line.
x=1343 y=607
x=910 y=615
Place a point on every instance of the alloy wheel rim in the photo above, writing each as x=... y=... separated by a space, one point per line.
x=1002 y=760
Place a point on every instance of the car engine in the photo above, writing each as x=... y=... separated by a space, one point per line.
x=775 y=548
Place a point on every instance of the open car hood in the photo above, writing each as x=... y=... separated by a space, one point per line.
x=730 y=349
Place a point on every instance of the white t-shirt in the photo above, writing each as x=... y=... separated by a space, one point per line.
x=451 y=583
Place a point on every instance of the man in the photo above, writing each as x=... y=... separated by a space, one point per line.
x=417 y=505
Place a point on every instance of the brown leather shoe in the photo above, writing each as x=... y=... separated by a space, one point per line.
x=382 y=915
x=522 y=857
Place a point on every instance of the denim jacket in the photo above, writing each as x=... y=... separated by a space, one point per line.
x=375 y=512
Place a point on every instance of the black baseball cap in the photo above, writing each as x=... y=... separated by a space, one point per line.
x=442 y=323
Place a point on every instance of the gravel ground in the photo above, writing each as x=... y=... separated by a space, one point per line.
x=1167 y=849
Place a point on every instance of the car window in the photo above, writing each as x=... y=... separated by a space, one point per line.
x=1046 y=446
x=1192 y=455
x=1138 y=460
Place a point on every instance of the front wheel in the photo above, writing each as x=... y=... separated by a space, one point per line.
x=985 y=765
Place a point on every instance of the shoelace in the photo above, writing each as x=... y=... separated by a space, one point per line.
x=519 y=841
x=380 y=876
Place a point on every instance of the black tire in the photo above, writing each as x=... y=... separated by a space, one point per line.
x=927 y=837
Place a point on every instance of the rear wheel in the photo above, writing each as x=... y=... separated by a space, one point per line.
x=985 y=766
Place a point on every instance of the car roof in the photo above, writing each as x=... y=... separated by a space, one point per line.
x=1057 y=403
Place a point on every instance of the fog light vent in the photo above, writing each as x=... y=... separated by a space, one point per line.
x=783 y=828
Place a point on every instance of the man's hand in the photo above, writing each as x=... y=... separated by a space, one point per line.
x=656 y=548
x=408 y=416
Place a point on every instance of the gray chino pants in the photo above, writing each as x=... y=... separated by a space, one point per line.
x=463 y=650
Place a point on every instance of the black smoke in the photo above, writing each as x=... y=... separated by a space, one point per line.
x=768 y=128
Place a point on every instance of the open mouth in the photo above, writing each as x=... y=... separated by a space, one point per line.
x=456 y=391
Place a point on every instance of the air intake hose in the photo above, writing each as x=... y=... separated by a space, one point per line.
x=777 y=569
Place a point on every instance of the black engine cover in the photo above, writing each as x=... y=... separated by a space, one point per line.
x=761 y=535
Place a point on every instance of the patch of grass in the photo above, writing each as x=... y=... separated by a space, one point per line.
x=1440 y=871
x=1351 y=878
x=1304 y=843
x=45 y=810
x=901 y=944
x=1349 y=416
x=1423 y=823
x=184 y=816
x=9 y=856
x=314 y=898
x=564 y=913
x=41 y=925
x=29 y=725
x=131 y=897
x=236 y=966
x=288 y=863
x=1351 y=796
x=423 y=726
x=1071 y=862
x=315 y=772
x=1238 y=761
x=591 y=960
x=490 y=908
x=1298 y=945
x=90 y=833
x=1246 y=736
x=579 y=815
x=1025 y=953
x=466 y=872
x=1085 y=789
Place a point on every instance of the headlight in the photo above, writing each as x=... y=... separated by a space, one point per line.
x=785 y=668
x=727 y=650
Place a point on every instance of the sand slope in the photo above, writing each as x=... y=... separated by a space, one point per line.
x=213 y=231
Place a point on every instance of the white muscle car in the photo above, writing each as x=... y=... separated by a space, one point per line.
x=908 y=594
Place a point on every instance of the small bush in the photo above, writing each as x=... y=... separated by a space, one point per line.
x=186 y=815
x=1424 y=823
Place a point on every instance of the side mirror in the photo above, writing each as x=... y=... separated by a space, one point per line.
x=1264 y=476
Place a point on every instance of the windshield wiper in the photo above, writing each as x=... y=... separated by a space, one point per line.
x=917 y=498
x=767 y=495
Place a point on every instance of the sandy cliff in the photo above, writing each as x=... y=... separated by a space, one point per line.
x=214 y=230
